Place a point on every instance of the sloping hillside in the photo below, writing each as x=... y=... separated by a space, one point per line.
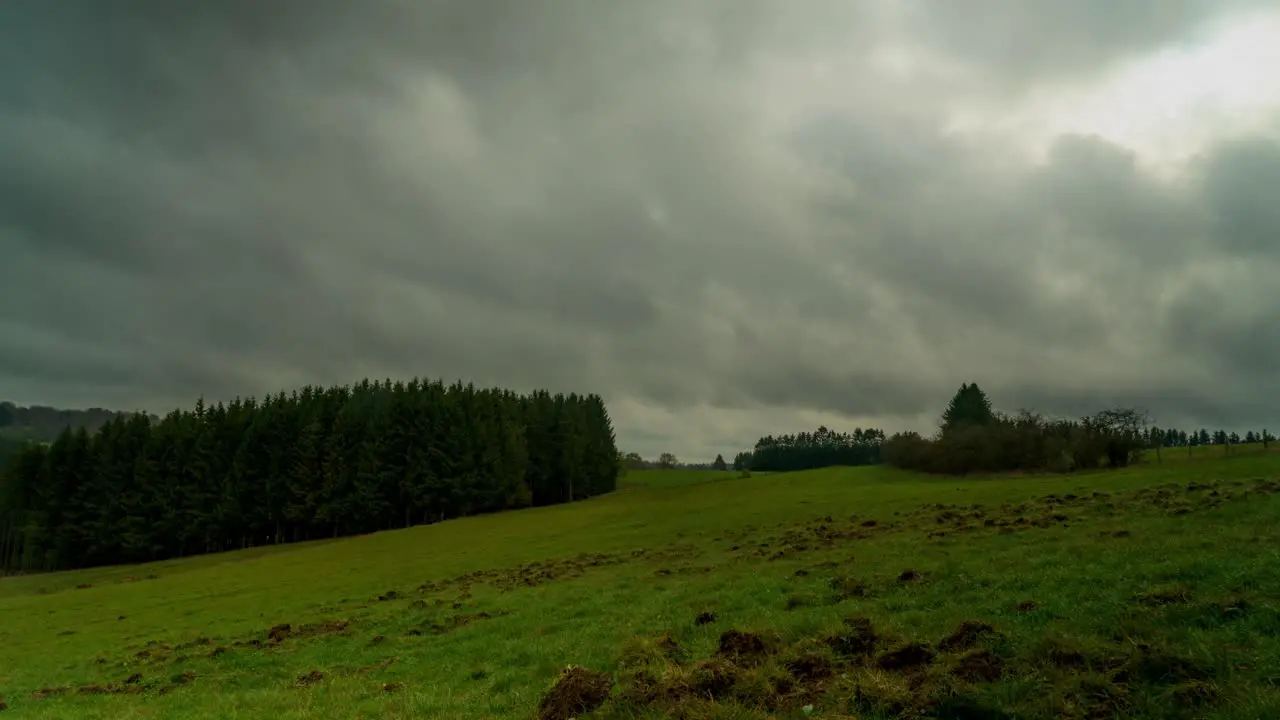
x=863 y=593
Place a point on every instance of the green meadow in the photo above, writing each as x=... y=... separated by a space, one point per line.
x=1150 y=592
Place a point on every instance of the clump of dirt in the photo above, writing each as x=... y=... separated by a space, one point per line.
x=218 y=651
x=48 y=692
x=966 y=636
x=453 y=622
x=194 y=643
x=389 y=595
x=133 y=679
x=705 y=618
x=3 y=705
x=1064 y=654
x=578 y=691
x=810 y=666
x=979 y=666
x=310 y=678
x=798 y=600
x=327 y=627
x=94 y=690
x=278 y=633
x=846 y=588
x=418 y=605
x=857 y=640
x=669 y=646
x=83 y=586
x=743 y=647
x=909 y=576
x=645 y=651
x=1026 y=606
x=715 y=677
x=412 y=632
x=868 y=523
x=377 y=640
x=394 y=687
x=908 y=656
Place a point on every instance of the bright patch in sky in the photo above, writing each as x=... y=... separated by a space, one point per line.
x=1167 y=106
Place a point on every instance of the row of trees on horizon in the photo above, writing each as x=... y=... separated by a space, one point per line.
x=345 y=460
x=314 y=463
x=973 y=437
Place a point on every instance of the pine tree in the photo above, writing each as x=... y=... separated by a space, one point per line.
x=719 y=463
x=969 y=407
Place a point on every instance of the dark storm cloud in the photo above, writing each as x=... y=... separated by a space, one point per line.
x=670 y=203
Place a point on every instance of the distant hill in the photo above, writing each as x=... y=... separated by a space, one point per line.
x=42 y=424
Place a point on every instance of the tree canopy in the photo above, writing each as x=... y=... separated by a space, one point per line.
x=315 y=463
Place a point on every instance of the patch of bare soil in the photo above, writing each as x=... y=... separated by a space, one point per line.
x=908 y=656
x=857 y=639
x=461 y=620
x=177 y=681
x=310 y=678
x=279 y=633
x=979 y=666
x=285 y=631
x=576 y=692
x=846 y=588
x=743 y=647
x=966 y=636
x=810 y=666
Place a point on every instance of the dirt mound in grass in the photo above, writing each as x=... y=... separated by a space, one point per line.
x=743 y=647
x=576 y=692
x=966 y=636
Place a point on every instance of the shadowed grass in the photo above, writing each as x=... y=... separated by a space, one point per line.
x=1126 y=571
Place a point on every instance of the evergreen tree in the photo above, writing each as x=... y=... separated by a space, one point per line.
x=719 y=463
x=968 y=408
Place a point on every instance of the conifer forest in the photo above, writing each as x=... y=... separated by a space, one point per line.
x=312 y=464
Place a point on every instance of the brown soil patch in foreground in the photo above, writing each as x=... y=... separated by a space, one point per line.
x=578 y=691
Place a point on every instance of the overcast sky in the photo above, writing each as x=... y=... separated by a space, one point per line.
x=728 y=217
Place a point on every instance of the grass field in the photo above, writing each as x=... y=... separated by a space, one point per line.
x=1152 y=592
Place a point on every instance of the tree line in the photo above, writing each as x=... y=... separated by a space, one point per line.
x=975 y=438
x=809 y=450
x=1166 y=437
x=290 y=467
x=41 y=423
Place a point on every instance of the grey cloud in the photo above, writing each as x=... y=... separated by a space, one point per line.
x=654 y=201
x=1021 y=43
x=1239 y=184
